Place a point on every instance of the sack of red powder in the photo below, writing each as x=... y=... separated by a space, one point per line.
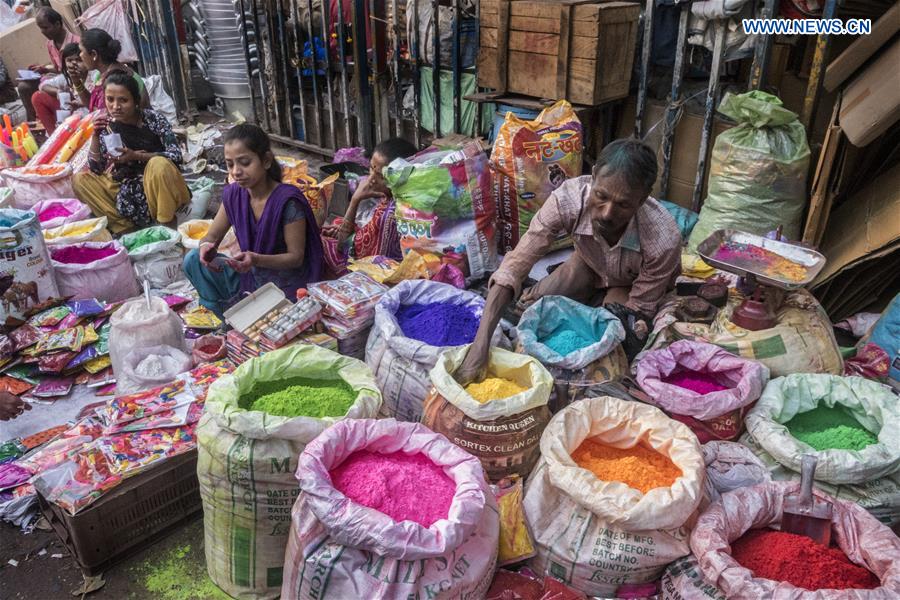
x=208 y=348
x=247 y=457
x=875 y=421
x=343 y=548
x=414 y=322
x=865 y=542
x=503 y=431
x=581 y=346
x=98 y=270
x=597 y=535
x=702 y=385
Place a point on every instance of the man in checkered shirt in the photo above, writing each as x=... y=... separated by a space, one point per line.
x=627 y=248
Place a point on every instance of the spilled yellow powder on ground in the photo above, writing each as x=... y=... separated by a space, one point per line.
x=638 y=467
x=494 y=388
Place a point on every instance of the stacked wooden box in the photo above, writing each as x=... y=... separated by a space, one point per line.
x=580 y=50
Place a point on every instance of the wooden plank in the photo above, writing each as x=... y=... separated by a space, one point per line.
x=588 y=10
x=542 y=43
x=862 y=49
x=503 y=17
x=581 y=28
x=562 y=55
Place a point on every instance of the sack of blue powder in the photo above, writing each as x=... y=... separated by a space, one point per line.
x=257 y=422
x=581 y=346
x=414 y=323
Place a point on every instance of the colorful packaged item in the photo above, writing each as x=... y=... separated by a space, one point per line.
x=24 y=336
x=50 y=317
x=53 y=387
x=201 y=318
x=25 y=273
x=346 y=297
x=14 y=386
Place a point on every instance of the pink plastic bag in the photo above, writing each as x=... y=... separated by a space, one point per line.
x=60 y=211
x=859 y=535
x=110 y=16
x=455 y=556
x=98 y=270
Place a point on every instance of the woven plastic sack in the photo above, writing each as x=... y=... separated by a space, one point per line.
x=730 y=466
x=156 y=255
x=573 y=514
x=401 y=365
x=33 y=184
x=577 y=374
x=26 y=276
x=802 y=340
x=201 y=193
x=111 y=17
x=77 y=211
x=863 y=539
x=530 y=160
x=109 y=278
x=247 y=460
x=504 y=434
x=138 y=324
x=444 y=203
x=872 y=404
x=148 y=367
x=757 y=173
x=713 y=416
x=886 y=335
x=341 y=549
x=89 y=230
x=7 y=197
x=683 y=580
x=193 y=231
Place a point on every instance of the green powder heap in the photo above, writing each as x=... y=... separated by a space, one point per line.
x=826 y=428
x=181 y=575
x=300 y=396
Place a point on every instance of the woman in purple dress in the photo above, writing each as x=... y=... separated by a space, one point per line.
x=273 y=223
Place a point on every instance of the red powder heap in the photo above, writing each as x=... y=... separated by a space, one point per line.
x=73 y=255
x=799 y=561
x=405 y=487
x=702 y=383
x=53 y=211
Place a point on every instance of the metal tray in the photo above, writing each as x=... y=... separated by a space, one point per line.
x=810 y=259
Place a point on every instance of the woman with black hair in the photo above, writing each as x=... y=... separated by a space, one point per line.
x=100 y=52
x=273 y=223
x=137 y=184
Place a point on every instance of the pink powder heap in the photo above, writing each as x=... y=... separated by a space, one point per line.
x=702 y=383
x=405 y=487
x=53 y=211
x=73 y=255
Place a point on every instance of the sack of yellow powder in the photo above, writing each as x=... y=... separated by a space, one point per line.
x=89 y=230
x=580 y=345
x=499 y=420
x=193 y=231
x=247 y=457
x=598 y=534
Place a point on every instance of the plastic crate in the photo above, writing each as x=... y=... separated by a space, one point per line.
x=140 y=511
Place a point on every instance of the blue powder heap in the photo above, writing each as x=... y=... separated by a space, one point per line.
x=566 y=341
x=438 y=324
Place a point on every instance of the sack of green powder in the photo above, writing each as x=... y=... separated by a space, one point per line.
x=156 y=255
x=581 y=346
x=850 y=423
x=341 y=549
x=401 y=363
x=864 y=540
x=682 y=379
x=597 y=535
x=503 y=433
x=247 y=458
x=802 y=340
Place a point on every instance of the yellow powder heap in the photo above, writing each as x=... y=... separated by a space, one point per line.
x=494 y=388
x=638 y=467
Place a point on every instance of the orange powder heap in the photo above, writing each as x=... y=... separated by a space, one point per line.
x=639 y=467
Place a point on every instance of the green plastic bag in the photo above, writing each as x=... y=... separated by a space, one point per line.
x=757 y=177
x=246 y=464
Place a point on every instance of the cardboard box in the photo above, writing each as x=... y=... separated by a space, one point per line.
x=21 y=46
x=871 y=102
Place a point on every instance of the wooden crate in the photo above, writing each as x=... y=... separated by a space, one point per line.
x=580 y=50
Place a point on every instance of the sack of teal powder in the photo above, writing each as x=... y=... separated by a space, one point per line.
x=156 y=255
x=703 y=386
x=388 y=509
x=580 y=346
x=414 y=322
x=256 y=423
x=851 y=424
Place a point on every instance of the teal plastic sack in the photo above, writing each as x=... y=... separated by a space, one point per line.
x=886 y=335
x=757 y=177
x=684 y=218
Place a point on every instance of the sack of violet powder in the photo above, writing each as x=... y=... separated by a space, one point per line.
x=597 y=533
x=861 y=564
x=256 y=423
x=580 y=345
x=414 y=322
x=389 y=509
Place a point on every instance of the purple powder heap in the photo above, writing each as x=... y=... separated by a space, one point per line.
x=438 y=324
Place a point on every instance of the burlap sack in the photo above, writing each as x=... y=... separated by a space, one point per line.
x=597 y=535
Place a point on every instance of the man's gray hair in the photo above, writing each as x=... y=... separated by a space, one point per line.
x=630 y=158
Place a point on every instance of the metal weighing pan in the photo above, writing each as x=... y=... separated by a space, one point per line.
x=812 y=261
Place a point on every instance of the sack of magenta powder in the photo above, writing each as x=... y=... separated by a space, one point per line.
x=389 y=510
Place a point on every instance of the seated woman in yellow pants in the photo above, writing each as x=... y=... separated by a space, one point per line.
x=137 y=184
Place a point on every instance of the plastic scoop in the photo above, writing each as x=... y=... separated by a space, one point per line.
x=804 y=514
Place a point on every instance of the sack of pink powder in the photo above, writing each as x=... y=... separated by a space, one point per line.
x=56 y=212
x=391 y=510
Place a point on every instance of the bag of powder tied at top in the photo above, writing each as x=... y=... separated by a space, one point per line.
x=503 y=427
x=368 y=554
